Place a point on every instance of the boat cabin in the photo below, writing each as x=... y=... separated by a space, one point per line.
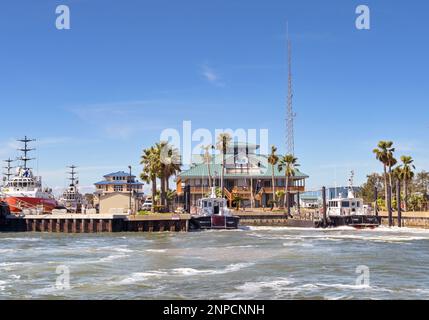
x=212 y=206
x=345 y=207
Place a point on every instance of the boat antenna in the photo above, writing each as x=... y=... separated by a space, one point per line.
x=290 y=115
x=25 y=159
x=72 y=174
x=8 y=168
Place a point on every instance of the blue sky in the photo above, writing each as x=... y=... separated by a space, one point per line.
x=97 y=94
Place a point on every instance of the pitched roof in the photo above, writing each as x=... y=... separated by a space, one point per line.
x=260 y=162
x=121 y=174
x=117 y=183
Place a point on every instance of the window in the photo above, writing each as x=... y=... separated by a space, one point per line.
x=119 y=188
x=345 y=204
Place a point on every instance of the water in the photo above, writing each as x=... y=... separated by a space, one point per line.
x=254 y=263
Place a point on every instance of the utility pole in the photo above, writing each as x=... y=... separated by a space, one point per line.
x=131 y=189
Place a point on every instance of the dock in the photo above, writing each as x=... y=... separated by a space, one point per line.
x=97 y=223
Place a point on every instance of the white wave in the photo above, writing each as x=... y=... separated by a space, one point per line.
x=193 y=272
x=178 y=272
x=15 y=277
x=7 y=251
x=252 y=290
x=140 y=277
x=113 y=258
x=22 y=239
x=123 y=250
x=156 y=251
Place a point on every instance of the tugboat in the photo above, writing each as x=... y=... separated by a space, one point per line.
x=24 y=193
x=350 y=211
x=213 y=213
x=71 y=199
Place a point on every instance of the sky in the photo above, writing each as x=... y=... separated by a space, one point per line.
x=98 y=94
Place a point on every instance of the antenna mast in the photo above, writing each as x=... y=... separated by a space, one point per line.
x=25 y=159
x=8 y=168
x=290 y=138
x=72 y=174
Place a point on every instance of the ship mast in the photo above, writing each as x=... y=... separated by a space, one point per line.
x=25 y=159
x=8 y=168
x=73 y=175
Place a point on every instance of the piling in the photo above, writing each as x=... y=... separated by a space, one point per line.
x=325 y=208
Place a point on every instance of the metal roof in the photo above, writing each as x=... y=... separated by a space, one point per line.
x=118 y=174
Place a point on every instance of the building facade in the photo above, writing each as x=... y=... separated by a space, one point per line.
x=114 y=193
x=248 y=176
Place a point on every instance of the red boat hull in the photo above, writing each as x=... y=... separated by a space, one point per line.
x=17 y=204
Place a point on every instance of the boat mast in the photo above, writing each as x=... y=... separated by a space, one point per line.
x=25 y=159
x=8 y=168
x=72 y=174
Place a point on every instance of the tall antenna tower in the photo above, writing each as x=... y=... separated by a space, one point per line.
x=8 y=173
x=290 y=136
x=25 y=159
x=72 y=174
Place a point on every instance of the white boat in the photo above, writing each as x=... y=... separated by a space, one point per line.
x=350 y=211
x=24 y=192
x=213 y=213
x=72 y=199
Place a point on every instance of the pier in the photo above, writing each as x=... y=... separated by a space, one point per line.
x=78 y=223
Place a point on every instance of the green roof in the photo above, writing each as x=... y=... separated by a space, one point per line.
x=200 y=169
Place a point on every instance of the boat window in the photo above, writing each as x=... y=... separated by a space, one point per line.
x=358 y=204
x=210 y=204
x=345 y=204
x=205 y=204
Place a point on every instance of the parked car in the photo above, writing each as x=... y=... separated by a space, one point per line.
x=147 y=205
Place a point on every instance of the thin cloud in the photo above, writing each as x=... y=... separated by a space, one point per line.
x=211 y=75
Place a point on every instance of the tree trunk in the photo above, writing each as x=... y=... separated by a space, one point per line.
x=388 y=197
x=210 y=176
x=287 y=200
x=274 y=190
x=406 y=195
x=222 y=186
x=153 y=194
x=163 y=197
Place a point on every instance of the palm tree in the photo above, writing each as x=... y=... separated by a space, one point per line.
x=406 y=174
x=170 y=165
x=208 y=159
x=289 y=164
x=273 y=159
x=151 y=168
x=384 y=154
x=223 y=141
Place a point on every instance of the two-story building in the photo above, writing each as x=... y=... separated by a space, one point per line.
x=113 y=194
x=248 y=175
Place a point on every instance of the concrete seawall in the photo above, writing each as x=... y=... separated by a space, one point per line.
x=78 y=223
x=273 y=220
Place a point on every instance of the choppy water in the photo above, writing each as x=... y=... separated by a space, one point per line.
x=255 y=263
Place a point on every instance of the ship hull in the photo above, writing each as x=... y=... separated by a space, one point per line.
x=356 y=221
x=19 y=204
x=214 y=222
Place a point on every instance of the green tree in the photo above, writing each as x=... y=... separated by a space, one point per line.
x=273 y=159
x=288 y=163
x=406 y=174
x=223 y=142
x=384 y=154
x=151 y=170
x=368 y=189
